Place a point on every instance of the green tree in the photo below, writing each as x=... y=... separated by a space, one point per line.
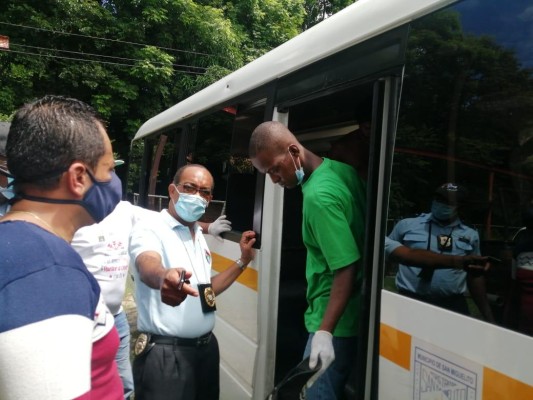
x=133 y=59
x=318 y=10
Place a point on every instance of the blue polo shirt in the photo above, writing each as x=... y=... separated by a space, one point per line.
x=415 y=233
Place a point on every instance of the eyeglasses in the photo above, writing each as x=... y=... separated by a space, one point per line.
x=189 y=188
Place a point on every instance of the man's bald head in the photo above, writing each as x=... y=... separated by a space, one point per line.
x=272 y=136
x=181 y=170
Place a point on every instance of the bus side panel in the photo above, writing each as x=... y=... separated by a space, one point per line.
x=238 y=303
x=237 y=349
x=247 y=311
x=236 y=325
x=237 y=359
x=268 y=267
x=430 y=353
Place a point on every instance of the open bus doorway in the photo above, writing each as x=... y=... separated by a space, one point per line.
x=319 y=124
x=292 y=334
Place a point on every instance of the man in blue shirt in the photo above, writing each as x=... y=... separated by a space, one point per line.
x=441 y=231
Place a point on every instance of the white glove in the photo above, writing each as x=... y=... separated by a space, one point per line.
x=219 y=226
x=321 y=347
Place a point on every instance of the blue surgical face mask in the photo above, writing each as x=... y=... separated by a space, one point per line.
x=99 y=201
x=443 y=212
x=299 y=172
x=190 y=207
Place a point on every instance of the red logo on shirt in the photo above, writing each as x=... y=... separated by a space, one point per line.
x=115 y=245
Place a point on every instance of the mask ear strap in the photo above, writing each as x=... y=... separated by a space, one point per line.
x=292 y=158
x=48 y=200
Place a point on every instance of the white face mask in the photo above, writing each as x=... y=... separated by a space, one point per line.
x=190 y=207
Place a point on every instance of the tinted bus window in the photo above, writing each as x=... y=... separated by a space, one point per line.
x=242 y=176
x=160 y=156
x=465 y=117
x=211 y=148
x=220 y=142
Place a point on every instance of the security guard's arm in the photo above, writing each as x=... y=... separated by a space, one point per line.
x=428 y=259
x=168 y=281
x=223 y=280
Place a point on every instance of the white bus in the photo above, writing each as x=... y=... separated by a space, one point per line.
x=450 y=89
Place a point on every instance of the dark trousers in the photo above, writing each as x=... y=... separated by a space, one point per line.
x=455 y=302
x=172 y=372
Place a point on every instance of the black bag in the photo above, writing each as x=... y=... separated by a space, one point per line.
x=291 y=386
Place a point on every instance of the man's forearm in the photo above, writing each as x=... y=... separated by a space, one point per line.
x=151 y=271
x=425 y=258
x=341 y=290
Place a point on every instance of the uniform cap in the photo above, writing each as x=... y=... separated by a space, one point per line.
x=453 y=192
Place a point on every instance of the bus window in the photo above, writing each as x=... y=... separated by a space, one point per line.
x=220 y=143
x=242 y=194
x=210 y=147
x=160 y=156
x=465 y=118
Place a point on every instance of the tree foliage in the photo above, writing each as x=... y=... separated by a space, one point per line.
x=133 y=59
x=318 y=10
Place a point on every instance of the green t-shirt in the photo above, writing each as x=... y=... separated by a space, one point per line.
x=333 y=230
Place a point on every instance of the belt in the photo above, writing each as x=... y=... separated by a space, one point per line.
x=176 y=341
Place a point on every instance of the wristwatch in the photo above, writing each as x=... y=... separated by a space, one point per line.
x=241 y=265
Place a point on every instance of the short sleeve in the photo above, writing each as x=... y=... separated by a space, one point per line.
x=143 y=238
x=390 y=246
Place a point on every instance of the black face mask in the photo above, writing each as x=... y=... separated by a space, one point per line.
x=99 y=201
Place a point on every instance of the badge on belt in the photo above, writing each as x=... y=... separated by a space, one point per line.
x=141 y=343
x=207 y=297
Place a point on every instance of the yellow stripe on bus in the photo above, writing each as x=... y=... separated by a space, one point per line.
x=248 y=278
x=395 y=346
x=497 y=386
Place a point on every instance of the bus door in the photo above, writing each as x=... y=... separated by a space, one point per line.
x=352 y=125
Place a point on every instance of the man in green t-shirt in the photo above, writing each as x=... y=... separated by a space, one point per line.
x=333 y=228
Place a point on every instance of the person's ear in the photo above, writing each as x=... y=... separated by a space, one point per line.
x=77 y=179
x=294 y=150
x=172 y=189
